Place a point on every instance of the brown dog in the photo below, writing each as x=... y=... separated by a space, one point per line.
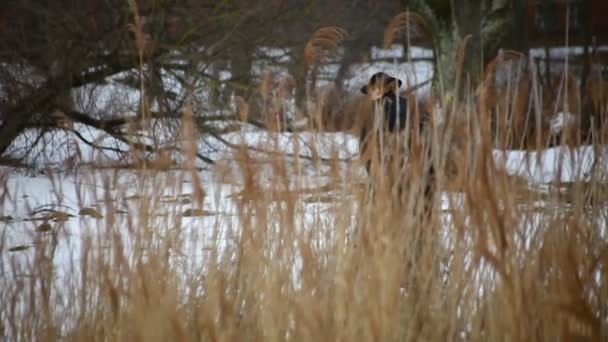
x=394 y=155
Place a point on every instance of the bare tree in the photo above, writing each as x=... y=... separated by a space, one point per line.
x=52 y=49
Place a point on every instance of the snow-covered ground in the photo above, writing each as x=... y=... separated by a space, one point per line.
x=89 y=187
x=557 y=164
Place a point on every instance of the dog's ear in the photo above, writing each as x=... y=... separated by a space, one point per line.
x=364 y=89
x=391 y=83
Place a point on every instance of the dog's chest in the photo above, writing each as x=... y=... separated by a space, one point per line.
x=394 y=113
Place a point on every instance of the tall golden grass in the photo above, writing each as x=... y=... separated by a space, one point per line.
x=501 y=261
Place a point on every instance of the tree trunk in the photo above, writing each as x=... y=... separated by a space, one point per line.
x=519 y=31
x=467 y=17
x=240 y=67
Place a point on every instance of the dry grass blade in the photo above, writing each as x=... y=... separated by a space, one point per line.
x=267 y=85
x=191 y=148
x=326 y=39
x=485 y=89
x=461 y=53
x=285 y=86
x=409 y=22
x=242 y=108
x=490 y=72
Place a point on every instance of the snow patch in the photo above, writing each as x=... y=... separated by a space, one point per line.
x=560 y=121
x=561 y=164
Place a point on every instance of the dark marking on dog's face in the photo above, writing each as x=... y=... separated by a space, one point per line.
x=380 y=84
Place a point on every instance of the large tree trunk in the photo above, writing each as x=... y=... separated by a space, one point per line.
x=241 y=60
x=519 y=30
x=468 y=15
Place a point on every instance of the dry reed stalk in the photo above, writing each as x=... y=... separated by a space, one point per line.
x=242 y=108
x=142 y=44
x=486 y=90
x=460 y=55
x=411 y=23
x=323 y=41
x=191 y=151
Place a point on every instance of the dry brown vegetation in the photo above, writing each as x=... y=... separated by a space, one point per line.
x=499 y=261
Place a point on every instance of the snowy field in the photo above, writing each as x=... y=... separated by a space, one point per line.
x=58 y=198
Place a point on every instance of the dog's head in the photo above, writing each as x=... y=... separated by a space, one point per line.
x=380 y=84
